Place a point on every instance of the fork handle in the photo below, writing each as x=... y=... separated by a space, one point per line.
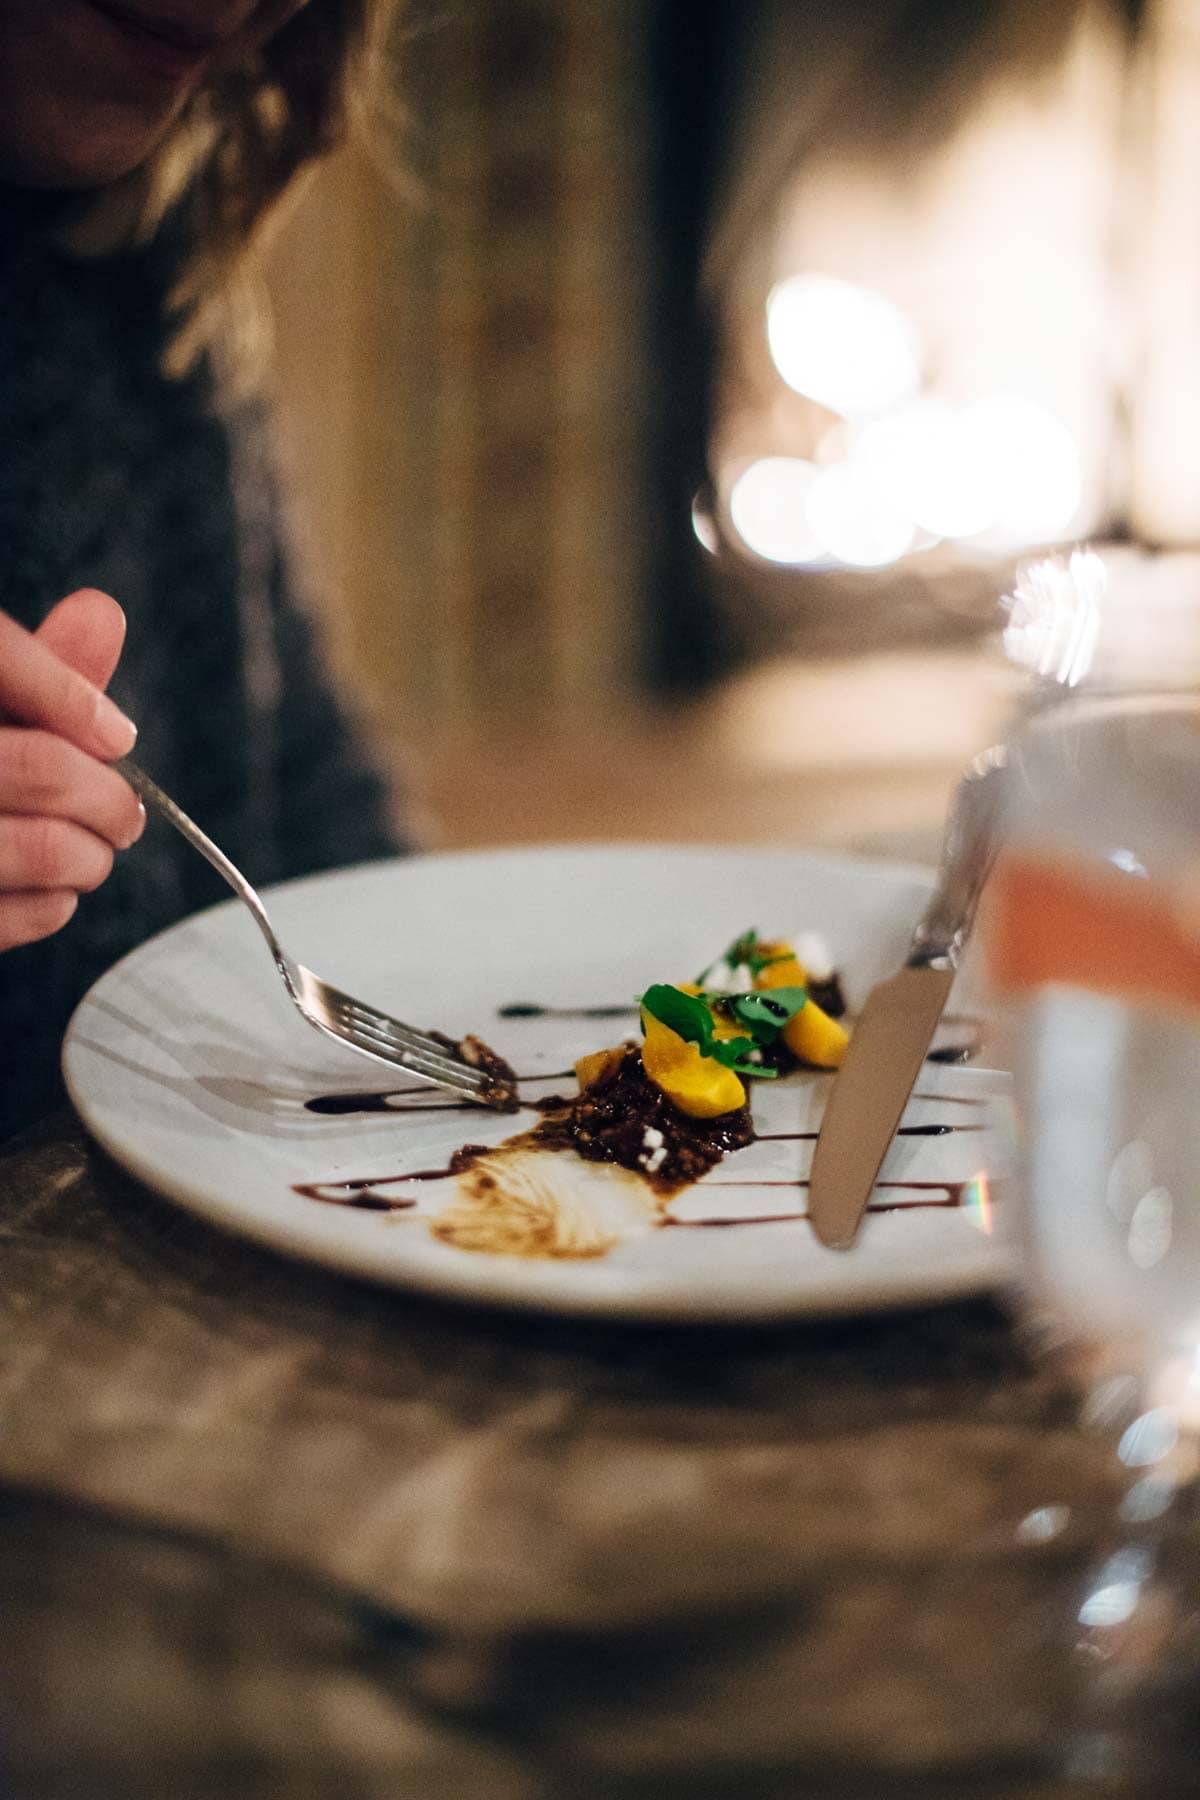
x=150 y=792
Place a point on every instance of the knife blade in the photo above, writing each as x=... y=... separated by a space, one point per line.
x=869 y=1095
x=894 y=1031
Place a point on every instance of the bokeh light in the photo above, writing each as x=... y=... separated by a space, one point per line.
x=768 y=507
x=857 y=517
x=842 y=345
x=1030 y=464
x=920 y=456
x=901 y=469
x=1002 y=465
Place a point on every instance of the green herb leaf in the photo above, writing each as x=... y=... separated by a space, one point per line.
x=744 y=953
x=732 y=1052
x=691 y=1018
x=686 y=1014
x=771 y=1008
x=741 y=949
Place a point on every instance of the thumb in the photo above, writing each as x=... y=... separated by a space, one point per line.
x=87 y=632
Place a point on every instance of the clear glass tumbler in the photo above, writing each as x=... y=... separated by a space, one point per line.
x=1092 y=935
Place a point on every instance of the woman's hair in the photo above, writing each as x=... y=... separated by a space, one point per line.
x=237 y=148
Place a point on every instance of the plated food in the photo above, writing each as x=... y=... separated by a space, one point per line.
x=660 y=1110
x=670 y=1107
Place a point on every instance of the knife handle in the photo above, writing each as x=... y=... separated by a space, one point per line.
x=968 y=851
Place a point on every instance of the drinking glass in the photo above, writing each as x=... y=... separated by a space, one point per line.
x=1092 y=933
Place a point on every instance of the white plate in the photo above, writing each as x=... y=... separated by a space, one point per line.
x=193 y=1070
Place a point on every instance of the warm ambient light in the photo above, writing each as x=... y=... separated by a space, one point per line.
x=767 y=505
x=1003 y=465
x=858 y=518
x=919 y=456
x=898 y=472
x=842 y=345
x=1028 y=460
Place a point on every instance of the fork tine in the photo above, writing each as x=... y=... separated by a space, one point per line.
x=355 y=1015
x=358 y=1017
x=438 y=1065
x=456 y=1076
x=396 y=1033
x=395 y=1028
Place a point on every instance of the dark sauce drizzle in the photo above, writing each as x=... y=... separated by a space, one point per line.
x=379 y=1101
x=810 y=1137
x=951 y=1055
x=953 y=1195
x=363 y=1192
x=528 y=1009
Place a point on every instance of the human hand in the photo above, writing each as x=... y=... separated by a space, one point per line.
x=63 y=812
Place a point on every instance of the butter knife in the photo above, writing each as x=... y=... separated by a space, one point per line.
x=894 y=1031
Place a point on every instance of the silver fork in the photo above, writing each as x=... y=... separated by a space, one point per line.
x=338 y=1015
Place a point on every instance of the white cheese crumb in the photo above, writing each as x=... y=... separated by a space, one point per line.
x=652 y=1138
x=814 y=955
x=654 y=1163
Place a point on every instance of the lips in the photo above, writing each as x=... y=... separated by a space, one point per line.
x=164 y=49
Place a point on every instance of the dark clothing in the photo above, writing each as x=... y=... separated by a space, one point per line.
x=161 y=494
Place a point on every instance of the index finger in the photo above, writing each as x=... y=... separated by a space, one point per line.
x=38 y=688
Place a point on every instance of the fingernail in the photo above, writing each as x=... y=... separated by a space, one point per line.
x=117 y=734
x=138 y=829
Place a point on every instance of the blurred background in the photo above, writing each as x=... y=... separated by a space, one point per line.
x=669 y=421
